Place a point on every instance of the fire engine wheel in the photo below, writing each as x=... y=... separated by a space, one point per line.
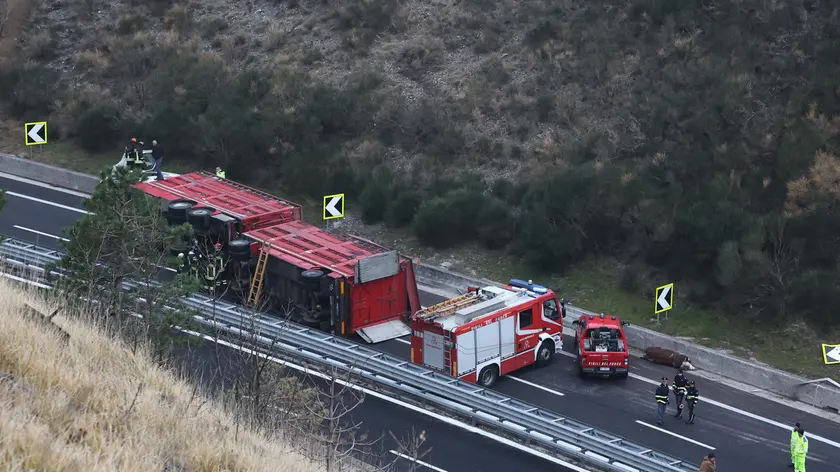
x=545 y=353
x=488 y=376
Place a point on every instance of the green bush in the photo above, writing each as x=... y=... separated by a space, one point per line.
x=29 y=92
x=402 y=206
x=374 y=200
x=450 y=219
x=97 y=126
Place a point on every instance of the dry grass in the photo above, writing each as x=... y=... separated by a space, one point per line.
x=91 y=405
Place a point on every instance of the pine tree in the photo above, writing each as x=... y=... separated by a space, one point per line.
x=125 y=240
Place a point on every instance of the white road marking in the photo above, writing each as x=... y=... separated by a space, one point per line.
x=553 y=392
x=22 y=228
x=47 y=202
x=746 y=413
x=43 y=185
x=676 y=435
x=417 y=461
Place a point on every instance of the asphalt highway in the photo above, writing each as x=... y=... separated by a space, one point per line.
x=446 y=448
x=748 y=432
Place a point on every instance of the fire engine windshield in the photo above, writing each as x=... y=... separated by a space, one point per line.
x=603 y=340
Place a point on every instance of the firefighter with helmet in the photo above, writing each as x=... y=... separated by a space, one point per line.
x=192 y=263
x=215 y=268
x=133 y=154
x=679 y=391
x=182 y=263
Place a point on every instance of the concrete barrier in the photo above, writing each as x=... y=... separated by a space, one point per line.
x=52 y=175
x=751 y=373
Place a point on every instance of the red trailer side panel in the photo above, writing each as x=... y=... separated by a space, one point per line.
x=254 y=208
x=309 y=247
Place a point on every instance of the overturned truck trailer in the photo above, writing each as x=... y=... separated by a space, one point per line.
x=339 y=284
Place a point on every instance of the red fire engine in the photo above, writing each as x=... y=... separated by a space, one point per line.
x=489 y=332
x=601 y=346
x=335 y=283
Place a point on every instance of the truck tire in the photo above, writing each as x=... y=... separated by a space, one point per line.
x=177 y=210
x=624 y=375
x=545 y=353
x=199 y=218
x=312 y=279
x=488 y=376
x=240 y=250
x=581 y=372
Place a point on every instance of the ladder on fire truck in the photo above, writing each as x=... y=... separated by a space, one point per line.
x=259 y=275
x=448 y=307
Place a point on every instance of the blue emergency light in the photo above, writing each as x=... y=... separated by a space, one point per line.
x=527 y=285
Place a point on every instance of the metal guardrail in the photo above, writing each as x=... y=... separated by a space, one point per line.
x=536 y=426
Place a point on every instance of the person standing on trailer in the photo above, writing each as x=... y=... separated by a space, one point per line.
x=157 y=154
x=220 y=173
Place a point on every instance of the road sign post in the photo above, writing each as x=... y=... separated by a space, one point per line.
x=664 y=300
x=35 y=133
x=334 y=206
x=831 y=353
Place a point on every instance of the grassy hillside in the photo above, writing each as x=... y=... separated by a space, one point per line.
x=690 y=141
x=91 y=404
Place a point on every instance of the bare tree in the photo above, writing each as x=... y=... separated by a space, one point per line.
x=412 y=447
x=5 y=11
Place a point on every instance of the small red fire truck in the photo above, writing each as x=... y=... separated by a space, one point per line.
x=601 y=346
x=489 y=332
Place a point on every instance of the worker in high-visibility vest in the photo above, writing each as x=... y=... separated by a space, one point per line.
x=800 y=452
x=220 y=173
x=794 y=439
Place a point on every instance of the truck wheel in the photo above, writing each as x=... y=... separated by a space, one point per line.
x=624 y=375
x=545 y=353
x=177 y=210
x=312 y=279
x=240 y=250
x=199 y=218
x=488 y=376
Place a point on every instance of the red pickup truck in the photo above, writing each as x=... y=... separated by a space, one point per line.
x=601 y=346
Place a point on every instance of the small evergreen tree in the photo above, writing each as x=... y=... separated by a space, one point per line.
x=116 y=257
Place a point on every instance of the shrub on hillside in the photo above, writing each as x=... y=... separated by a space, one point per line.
x=449 y=219
x=97 y=126
x=402 y=205
x=29 y=91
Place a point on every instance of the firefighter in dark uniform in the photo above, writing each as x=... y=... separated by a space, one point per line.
x=661 y=400
x=192 y=263
x=220 y=265
x=679 y=392
x=692 y=396
x=132 y=154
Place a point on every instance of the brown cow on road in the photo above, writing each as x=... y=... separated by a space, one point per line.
x=663 y=356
